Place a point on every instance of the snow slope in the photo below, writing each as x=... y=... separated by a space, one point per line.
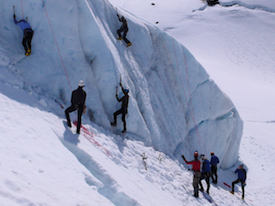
x=113 y=171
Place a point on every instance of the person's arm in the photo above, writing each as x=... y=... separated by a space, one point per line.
x=84 y=98
x=14 y=19
x=72 y=97
x=185 y=160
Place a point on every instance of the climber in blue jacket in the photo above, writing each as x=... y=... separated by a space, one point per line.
x=27 y=34
x=241 y=178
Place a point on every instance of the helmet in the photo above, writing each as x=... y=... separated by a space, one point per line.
x=126 y=90
x=196 y=154
x=81 y=83
x=212 y=153
x=202 y=156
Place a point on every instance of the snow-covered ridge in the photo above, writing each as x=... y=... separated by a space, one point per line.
x=174 y=106
x=248 y=5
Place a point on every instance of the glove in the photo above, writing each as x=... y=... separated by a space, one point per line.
x=14 y=16
x=183 y=157
x=120 y=84
x=116 y=95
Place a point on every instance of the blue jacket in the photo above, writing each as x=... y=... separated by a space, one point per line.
x=241 y=174
x=214 y=160
x=206 y=166
x=25 y=26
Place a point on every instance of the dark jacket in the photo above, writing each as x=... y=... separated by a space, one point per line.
x=124 y=23
x=206 y=166
x=241 y=174
x=124 y=100
x=214 y=160
x=78 y=97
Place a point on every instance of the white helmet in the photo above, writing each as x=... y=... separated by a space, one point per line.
x=81 y=83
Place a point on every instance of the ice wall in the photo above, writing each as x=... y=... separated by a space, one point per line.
x=174 y=105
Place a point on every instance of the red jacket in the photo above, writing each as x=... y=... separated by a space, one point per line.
x=196 y=165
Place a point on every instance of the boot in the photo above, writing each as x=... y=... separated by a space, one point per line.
x=113 y=124
x=232 y=192
x=119 y=38
x=129 y=44
x=69 y=124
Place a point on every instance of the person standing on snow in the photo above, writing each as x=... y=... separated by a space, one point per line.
x=214 y=161
x=205 y=172
x=197 y=173
x=27 y=34
x=241 y=178
x=78 y=103
x=124 y=29
x=124 y=108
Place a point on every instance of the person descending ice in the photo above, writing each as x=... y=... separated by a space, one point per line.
x=77 y=103
x=124 y=29
x=196 y=170
x=214 y=162
x=123 y=110
x=27 y=34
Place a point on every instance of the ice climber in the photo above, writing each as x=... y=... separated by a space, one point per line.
x=124 y=108
x=78 y=103
x=124 y=29
x=214 y=162
x=27 y=34
x=205 y=172
x=241 y=178
x=196 y=170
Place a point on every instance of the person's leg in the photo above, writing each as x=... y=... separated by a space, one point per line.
x=29 y=40
x=124 y=122
x=215 y=174
x=233 y=184
x=24 y=42
x=67 y=111
x=115 y=117
x=196 y=180
x=242 y=189
x=200 y=182
x=124 y=36
x=119 y=32
x=207 y=179
x=79 y=114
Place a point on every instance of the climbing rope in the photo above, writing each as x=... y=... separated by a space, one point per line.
x=56 y=44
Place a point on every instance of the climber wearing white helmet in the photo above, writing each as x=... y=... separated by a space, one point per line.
x=78 y=103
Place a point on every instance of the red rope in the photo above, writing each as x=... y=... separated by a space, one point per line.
x=56 y=44
x=191 y=104
x=22 y=9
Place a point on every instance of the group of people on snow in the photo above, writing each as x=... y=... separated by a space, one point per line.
x=209 y=170
x=78 y=96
